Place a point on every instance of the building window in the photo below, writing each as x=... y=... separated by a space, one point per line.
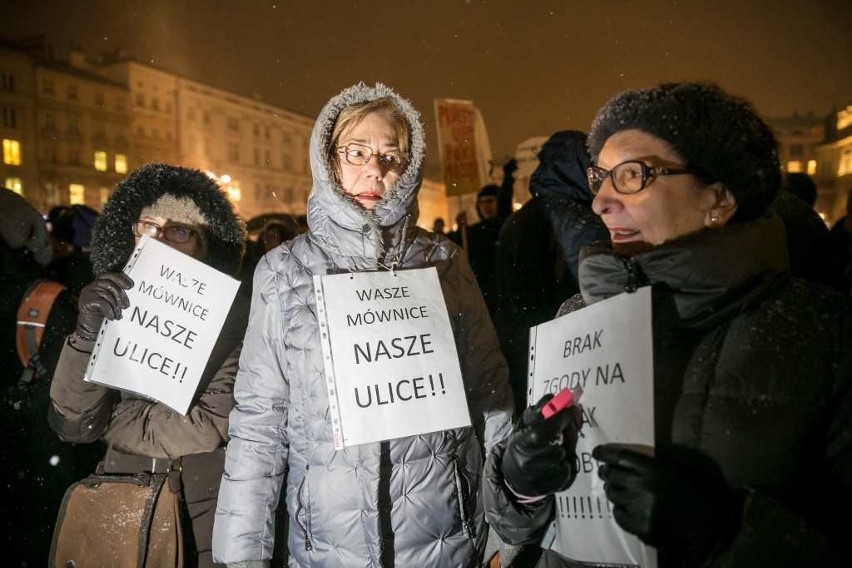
x=233 y=191
x=257 y=156
x=845 y=165
x=72 y=92
x=205 y=118
x=8 y=82
x=268 y=158
x=76 y=194
x=120 y=164
x=51 y=194
x=233 y=152
x=155 y=104
x=812 y=167
x=11 y=152
x=190 y=115
x=100 y=99
x=10 y=117
x=101 y=161
x=233 y=124
x=794 y=166
x=104 y=194
x=74 y=156
x=797 y=150
x=266 y=132
x=47 y=86
x=74 y=125
x=256 y=129
x=15 y=184
x=50 y=121
x=287 y=162
x=140 y=100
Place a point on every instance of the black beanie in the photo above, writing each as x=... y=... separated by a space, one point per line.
x=489 y=190
x=718 y=134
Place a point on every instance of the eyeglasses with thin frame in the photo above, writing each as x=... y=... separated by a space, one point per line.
x=356 y=154
x=631 y=176
x=177 y=234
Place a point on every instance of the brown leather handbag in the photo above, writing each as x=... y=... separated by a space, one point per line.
x=120 y=521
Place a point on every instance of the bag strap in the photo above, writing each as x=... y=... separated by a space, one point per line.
x=32 y=316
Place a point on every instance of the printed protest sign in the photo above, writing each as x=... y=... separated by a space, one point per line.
x=607 y=349
x=390 y=359
x=160 y=346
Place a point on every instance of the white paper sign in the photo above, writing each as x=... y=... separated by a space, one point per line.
x=391 y=365
x=160 y=346
x=607 y=349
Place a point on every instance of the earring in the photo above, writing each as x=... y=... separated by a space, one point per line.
x=714 y=217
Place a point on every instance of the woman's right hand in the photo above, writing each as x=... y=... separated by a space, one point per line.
x=104 y=297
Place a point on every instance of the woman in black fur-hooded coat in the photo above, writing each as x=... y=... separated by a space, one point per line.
x=138 y=429
x=113 y=240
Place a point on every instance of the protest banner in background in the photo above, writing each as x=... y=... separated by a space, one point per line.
x=160 y=346
x=463 y=146
x=389 y=353
x=607 y=349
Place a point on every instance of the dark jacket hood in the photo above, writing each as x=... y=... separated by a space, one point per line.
x=336 y=219
x=113 y=240
x=563 y=161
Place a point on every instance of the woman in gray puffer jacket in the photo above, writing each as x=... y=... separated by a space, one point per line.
x=411 y=501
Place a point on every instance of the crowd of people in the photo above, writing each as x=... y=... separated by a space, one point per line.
x=677 y=187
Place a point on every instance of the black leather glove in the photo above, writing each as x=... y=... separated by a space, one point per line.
x=537 y=461
x=104 y=297
x=678 y=500
x=510 y=167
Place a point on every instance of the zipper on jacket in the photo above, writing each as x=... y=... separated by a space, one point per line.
x=462 y=490
x=304 y=526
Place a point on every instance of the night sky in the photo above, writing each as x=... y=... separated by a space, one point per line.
x=532 y=67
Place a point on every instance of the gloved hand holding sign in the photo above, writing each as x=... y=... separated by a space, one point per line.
x=539 y=457
x=677 y=500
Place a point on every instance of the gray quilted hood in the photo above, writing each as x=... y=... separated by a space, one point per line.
x=336 y=220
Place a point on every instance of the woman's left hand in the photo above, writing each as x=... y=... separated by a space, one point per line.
x=678 y=500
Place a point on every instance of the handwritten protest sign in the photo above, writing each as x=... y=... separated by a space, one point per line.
x=607 y=349
x=160 y=346
x=391 y=365
x=459 y=147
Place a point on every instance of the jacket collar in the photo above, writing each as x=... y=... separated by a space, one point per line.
x=709 y=274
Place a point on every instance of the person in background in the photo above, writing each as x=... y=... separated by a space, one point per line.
x=36 y=466
x=538 y=251
x=186 y=210
x=438 y=226
x=841 y=237
x=493 y=205
x=410 y=501
x=812 y=252
x=752 y=367
x=70 y=236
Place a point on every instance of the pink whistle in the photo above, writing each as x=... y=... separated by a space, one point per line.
x=563 y=399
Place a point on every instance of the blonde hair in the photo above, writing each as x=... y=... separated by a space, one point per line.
x=351 y=116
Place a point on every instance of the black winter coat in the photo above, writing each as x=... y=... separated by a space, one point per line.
x=754 y=369
x=538 y=251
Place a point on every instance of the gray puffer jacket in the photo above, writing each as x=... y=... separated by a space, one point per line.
x=411 y=501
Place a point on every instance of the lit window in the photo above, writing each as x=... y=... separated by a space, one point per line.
x=812 y=166
x=16 y=185
x=104 y=191
x=51 y=193
x=120 y=163
x=101 y=161
x=76 y=194
x=11 y=152
x=794 y=166
x=233 y=191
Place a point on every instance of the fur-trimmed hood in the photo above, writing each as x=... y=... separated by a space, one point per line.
x=113 y=240
x=336 y=220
